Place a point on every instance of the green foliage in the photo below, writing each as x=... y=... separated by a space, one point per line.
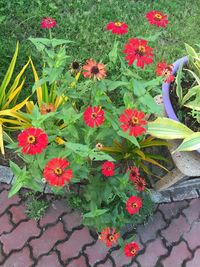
x=35 y=209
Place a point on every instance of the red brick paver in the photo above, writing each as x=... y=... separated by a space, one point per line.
x=169 y=239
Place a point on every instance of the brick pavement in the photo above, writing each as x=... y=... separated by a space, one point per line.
x=169 y=239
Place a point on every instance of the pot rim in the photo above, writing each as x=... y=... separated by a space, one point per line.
x=166 y=88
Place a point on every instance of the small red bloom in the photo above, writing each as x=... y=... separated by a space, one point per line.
x=157 y=18
x=134 y=173
x=117 y=27
x=162 y=69
x=33 y=141
x=137 y=49
x=131 y=249
x=48 y=23
x=94 y=70
x=93 y=116
x=139 y=184
x=133 y=204
x=56 y=173
x=109 y=237
x=132 y=120
x=108 y=168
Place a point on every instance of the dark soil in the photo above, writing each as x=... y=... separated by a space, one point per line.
x=184 y=113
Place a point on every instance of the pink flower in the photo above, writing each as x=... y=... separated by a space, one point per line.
x=48 y=23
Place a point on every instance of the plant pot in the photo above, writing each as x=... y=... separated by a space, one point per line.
x=186 y=162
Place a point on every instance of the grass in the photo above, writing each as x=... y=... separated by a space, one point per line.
x=84 y=21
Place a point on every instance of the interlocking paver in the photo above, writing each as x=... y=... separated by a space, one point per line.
x=49 y=237
x=72 y=220
x=18 y=213
x=49 y=260
x=193 y=236
x=152 y=253
x=107 y=263
x=80 y=262
x=178 y=254
x=170 y=210
x=6 y=202
x=52 y=214
x=193 y=212
x=5 y=225
x=19 y=259
x=155 y=223
x=120 y=258
x=100 y=252
x=175 y=230
x=19 y=236
x=72 y=247
x=195 y=261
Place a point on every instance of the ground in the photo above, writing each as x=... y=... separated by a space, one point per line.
x=170 y=238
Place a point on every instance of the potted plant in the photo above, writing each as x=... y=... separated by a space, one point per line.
x=181 y=102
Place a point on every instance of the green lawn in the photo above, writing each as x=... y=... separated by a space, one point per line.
x=84 y=21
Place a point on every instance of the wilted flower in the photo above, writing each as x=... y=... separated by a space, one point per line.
x=109 y=237
x=46 y=108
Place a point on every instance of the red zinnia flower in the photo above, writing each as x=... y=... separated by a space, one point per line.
x=93 y=116
x=108 y=168
x=48 y=23
x=133 y=204
x=33 y=141
x=157 y=18
x=139 y=184
x=117 y=27
x=131 y=249
x=162 y=69
x=137 y=49
x=94 y=70
x=56 y=173
x=132 y=120
x=109 y=237
x=134 y=173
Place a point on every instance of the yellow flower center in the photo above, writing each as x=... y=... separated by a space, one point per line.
x=118 y=24
x=31 y=139
x=134 y=120
x=58 y=171
x=158 y=16
x=141 y=49
x=134 y=205
x=133 y=251
x=94 y=115
x=111 y=238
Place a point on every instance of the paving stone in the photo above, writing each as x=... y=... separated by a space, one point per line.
x=52 y=214
x=152 y=253
x=175 y=230
x=6 y=174
x=192 y=237
x=100 y=252
x=120 y=258
x=24 y=230
x=80 y=262
x=48 y=239
x=195 y=261
x=178 y=254
x=149 y=230
x=193 y=212
x=18 y=213
x=108 y=263
x=19 y=259
x=6 y=202
x=5 y=225
x=73 y=246
x=172 y=209
x=49 y=260
x=4 y=186
x=72 y=220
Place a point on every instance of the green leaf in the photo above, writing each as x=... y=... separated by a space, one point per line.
x=112 y=85
x=15 y=188
x=95 y=213
x=190 y=143
x=99 y=155
x=79 y=149
x=130 y=138
x=113 y=53
x=179 y=90
x=112 y=121
x=15 y=168
x=165 y=128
